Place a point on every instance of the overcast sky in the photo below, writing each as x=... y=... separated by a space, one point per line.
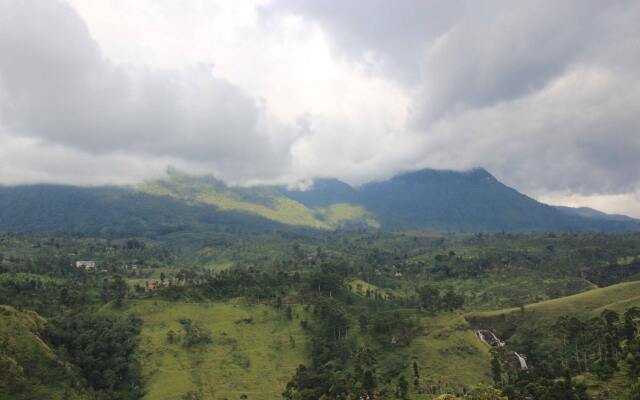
x=543 y=94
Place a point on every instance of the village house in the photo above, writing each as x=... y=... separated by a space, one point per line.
x=87 y=265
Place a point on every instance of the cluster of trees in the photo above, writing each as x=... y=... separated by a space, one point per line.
x=613 y=273
x=527 y=387
x=601 y=345
x=341 y=368
x=433 y=300
x=114 y=289
x=46 y=296
x=598 y=344
x=102 y=348
x=194 y=333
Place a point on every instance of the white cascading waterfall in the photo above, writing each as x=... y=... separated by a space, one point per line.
x=521 y=360
x=494 y=341
x=497 y=340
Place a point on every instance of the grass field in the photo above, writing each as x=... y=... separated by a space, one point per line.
x=256 y=359
x=450 y=356
x=24 y=276
x=360 y=287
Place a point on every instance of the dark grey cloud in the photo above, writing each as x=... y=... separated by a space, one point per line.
x=55 y=85
x=395 y=32
x=543 y=93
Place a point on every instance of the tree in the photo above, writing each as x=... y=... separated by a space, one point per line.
x=403 y=387
x=429 y=298
x=288 y=312
x=363 y=321
x=452 y=301
x=634 y=391
x=630 y=330
x=64 y=296
x=369 y=382
x=632 y=360
x=482 y=392
x=120 y=289
x=496 y=369
x=194 y=333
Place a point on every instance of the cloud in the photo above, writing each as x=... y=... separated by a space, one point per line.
x=57 y=87
x=544 y=94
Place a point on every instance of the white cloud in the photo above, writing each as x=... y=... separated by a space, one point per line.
x=543 y=94
x=626 y=204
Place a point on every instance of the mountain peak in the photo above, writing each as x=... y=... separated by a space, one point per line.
x=430 y=175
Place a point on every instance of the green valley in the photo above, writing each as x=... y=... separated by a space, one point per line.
x=310 y=314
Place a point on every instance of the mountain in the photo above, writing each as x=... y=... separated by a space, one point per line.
x=113 y=212
x=264 y=201
x=429 y=200
x=595 y=214
x=450 y=201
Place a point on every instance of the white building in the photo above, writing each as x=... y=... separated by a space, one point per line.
x=86 y=264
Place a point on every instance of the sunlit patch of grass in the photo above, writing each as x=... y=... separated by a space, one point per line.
x=255 y=358
x=449 y=355
x=265 y=202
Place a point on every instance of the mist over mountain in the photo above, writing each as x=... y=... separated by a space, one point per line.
x=426 y=200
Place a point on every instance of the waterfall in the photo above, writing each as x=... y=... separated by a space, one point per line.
x=521 y=360
x=493 y=340
x=496 y=340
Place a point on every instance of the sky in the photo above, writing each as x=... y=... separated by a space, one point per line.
x=543 y=94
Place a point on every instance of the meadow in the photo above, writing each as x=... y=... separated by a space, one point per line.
x=253 y=351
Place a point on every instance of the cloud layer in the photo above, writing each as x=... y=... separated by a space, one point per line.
x=544 y=94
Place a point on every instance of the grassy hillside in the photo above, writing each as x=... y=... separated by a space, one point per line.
x=617 y=298
x=450 y=355
x=253 y=350
x=29 y=368
x=266 y=202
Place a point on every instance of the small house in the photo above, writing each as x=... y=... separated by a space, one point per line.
x=87 y=265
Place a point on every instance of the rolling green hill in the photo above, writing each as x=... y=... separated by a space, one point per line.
x=544 y=314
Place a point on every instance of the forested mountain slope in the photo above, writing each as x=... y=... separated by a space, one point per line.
x=427 y=200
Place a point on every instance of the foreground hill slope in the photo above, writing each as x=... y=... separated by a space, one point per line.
x=427 y=200
x=29 y=368
x=253 y=351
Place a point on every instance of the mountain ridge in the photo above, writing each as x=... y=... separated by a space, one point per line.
x=425 y=200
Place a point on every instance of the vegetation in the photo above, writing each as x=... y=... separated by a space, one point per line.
x=311 y=314
x=427 y=200
x=30 y=367
x=250 y=350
